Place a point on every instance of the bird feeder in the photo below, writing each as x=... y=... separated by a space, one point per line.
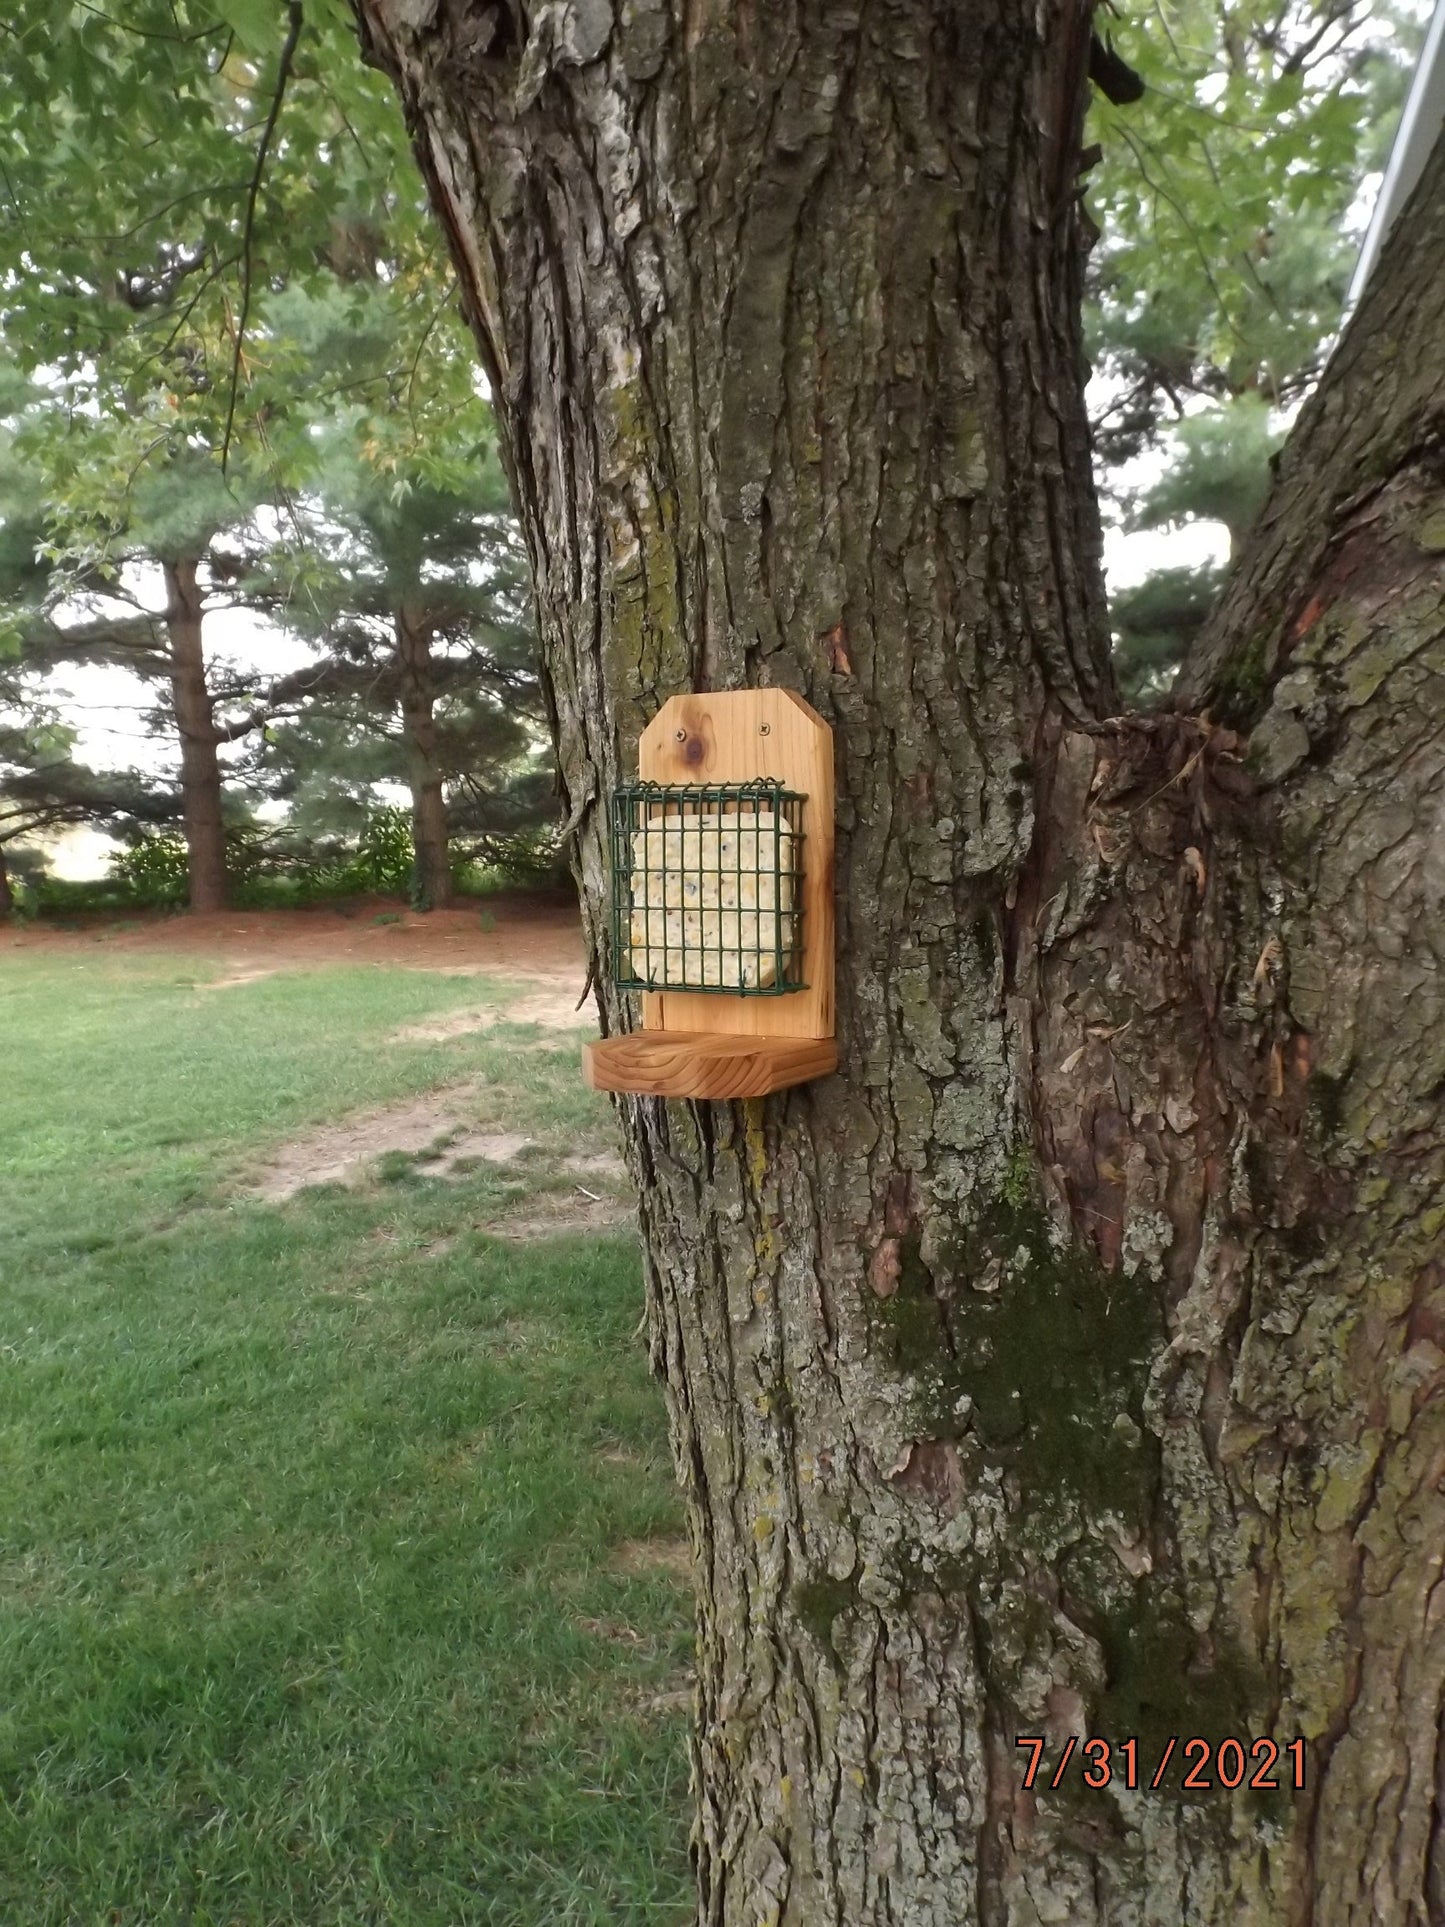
x=721 y=859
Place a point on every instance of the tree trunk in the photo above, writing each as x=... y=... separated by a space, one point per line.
x=1060 y=1366
x=196 y=728
x=432 y=869
x=7 y=895
x=1329 y=1333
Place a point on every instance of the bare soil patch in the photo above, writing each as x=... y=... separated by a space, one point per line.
x=345 y=1152
x=605 y=1166
x=440 y=1132
x=550 y=1008
x=551 y=1214
x=239 y=977
x=672 y=1556
x=531 y=943
x=665 y=1705
x=616 y=1632
x=532 y=938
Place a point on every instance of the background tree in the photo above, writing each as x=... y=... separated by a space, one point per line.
x=117 y=307
x=43 y=789
x=1068 y=1363
x=402 y=567
x=1223 y=194
x=168 y=437
x=136 y=595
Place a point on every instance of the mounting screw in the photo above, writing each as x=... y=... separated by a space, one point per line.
x=682 y=735
x=765 y=729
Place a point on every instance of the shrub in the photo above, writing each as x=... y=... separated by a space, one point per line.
x=278 y=870
x=152 y=872
x=384 y=857
x=523 y=860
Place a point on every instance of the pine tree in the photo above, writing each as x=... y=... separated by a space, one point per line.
x=403 y=568
x=133 y=593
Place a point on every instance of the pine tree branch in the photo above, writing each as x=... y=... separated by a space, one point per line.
x=132 y=642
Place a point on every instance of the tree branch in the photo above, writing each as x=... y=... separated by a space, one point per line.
x=253 y=195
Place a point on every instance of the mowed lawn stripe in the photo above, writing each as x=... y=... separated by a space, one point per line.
x=134 y=1082
x=310 y=1603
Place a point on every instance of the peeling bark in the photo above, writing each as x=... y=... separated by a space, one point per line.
x=199 y=738
x=1068 y=1363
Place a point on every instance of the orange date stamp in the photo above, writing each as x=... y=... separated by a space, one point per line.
x=1197 y=1765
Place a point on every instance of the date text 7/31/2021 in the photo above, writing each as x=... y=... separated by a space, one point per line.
x=1198 y=1765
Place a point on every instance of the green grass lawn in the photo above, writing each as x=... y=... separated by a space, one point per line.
x=326 y=1587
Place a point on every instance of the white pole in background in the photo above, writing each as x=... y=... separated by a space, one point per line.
x=1420 y=127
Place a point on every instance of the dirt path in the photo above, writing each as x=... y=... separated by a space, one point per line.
x=530 y=944
x=522 y=937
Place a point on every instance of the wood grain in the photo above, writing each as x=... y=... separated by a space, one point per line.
x=736 y=736
x=704 y=1064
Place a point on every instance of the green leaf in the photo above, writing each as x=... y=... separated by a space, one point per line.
x=260 y=25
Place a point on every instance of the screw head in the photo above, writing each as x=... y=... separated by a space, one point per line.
x=681 y=735
x=765 y=729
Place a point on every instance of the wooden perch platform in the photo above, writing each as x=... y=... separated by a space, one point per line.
x=705 y=1064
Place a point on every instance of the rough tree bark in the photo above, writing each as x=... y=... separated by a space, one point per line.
x=432 y=871
x=196 y=727
x=1070 y=1363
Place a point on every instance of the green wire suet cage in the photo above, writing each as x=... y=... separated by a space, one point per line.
x=707 y=887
